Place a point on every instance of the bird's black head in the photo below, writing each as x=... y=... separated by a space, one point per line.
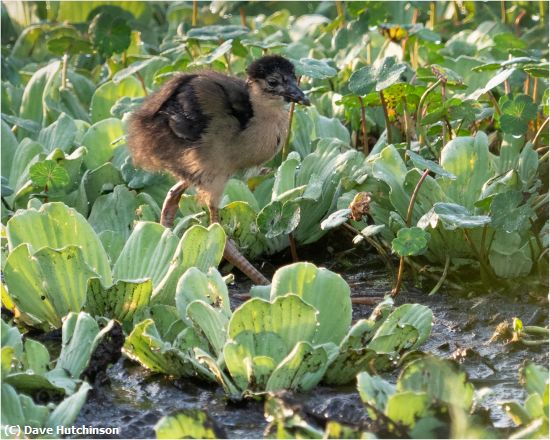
x=275 y=75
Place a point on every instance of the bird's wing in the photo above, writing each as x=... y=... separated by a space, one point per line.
x=207 y=99
x=224 y=99
x=183 y=112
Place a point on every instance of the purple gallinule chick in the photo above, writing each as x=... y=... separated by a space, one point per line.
x=203 y=127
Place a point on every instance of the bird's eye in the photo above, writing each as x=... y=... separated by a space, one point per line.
x=272 y=82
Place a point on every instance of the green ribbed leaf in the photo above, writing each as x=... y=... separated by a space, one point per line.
x=324 y=290
x=56 y=226
x=49 y=284
x=301 y=370
x=146 y=346
x=121 y=301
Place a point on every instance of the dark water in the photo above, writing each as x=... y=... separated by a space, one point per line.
x=135 y=400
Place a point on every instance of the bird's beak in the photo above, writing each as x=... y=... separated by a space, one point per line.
x=295 y=94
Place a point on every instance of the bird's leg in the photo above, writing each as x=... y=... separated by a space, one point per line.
x=233 y=255
x=170 y=205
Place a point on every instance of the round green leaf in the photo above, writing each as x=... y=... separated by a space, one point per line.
x=410 y=241
x=110 y=34
x=48 y=174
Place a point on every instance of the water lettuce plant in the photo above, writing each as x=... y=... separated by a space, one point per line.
x=29 y=372
x=531 y=417
x=27 y=365
x=428 y=389
x=296 y=337
x=476 y=210
x=58 y=264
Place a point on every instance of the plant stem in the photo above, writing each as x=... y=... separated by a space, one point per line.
x=443 y=126
x=290 y=117
x=414 y=195
x=364 y=127
x=541 y=11
x=517 y=22
x=535 y=88
x=527 y=84
x=142 y=81
x=227 y=57
x=537 y=238
x=494 y=102
x=408 y=220
x=406 y=119
x=340 y=10
x=539 y=133
x=369 y=52
x=195 y=16
x=434 y=277
x=64 y=69
x=443 y=276
x=482 y=252
x=482 y=262
x=379 y=248
x=5 y=203
x=242 y=13
x=419 y=129
x=503 y=11
x=433 y=13
x=386 y=117
x=397 y=286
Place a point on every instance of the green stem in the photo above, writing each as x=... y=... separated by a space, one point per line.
x=364 y=126
x=340 y=10
x=386 y=117
x=482 y=251
x=443 y=276
x=419 y=129
x=494 y=102
x=483 y=264
x=543 y=199
x=64 y=69
x=195 y=16
x=444 y=125
x=503 y=11
x=406 y=118
x=450 y=284
x=379 y=248
x=433 y=15
x=540 y=131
